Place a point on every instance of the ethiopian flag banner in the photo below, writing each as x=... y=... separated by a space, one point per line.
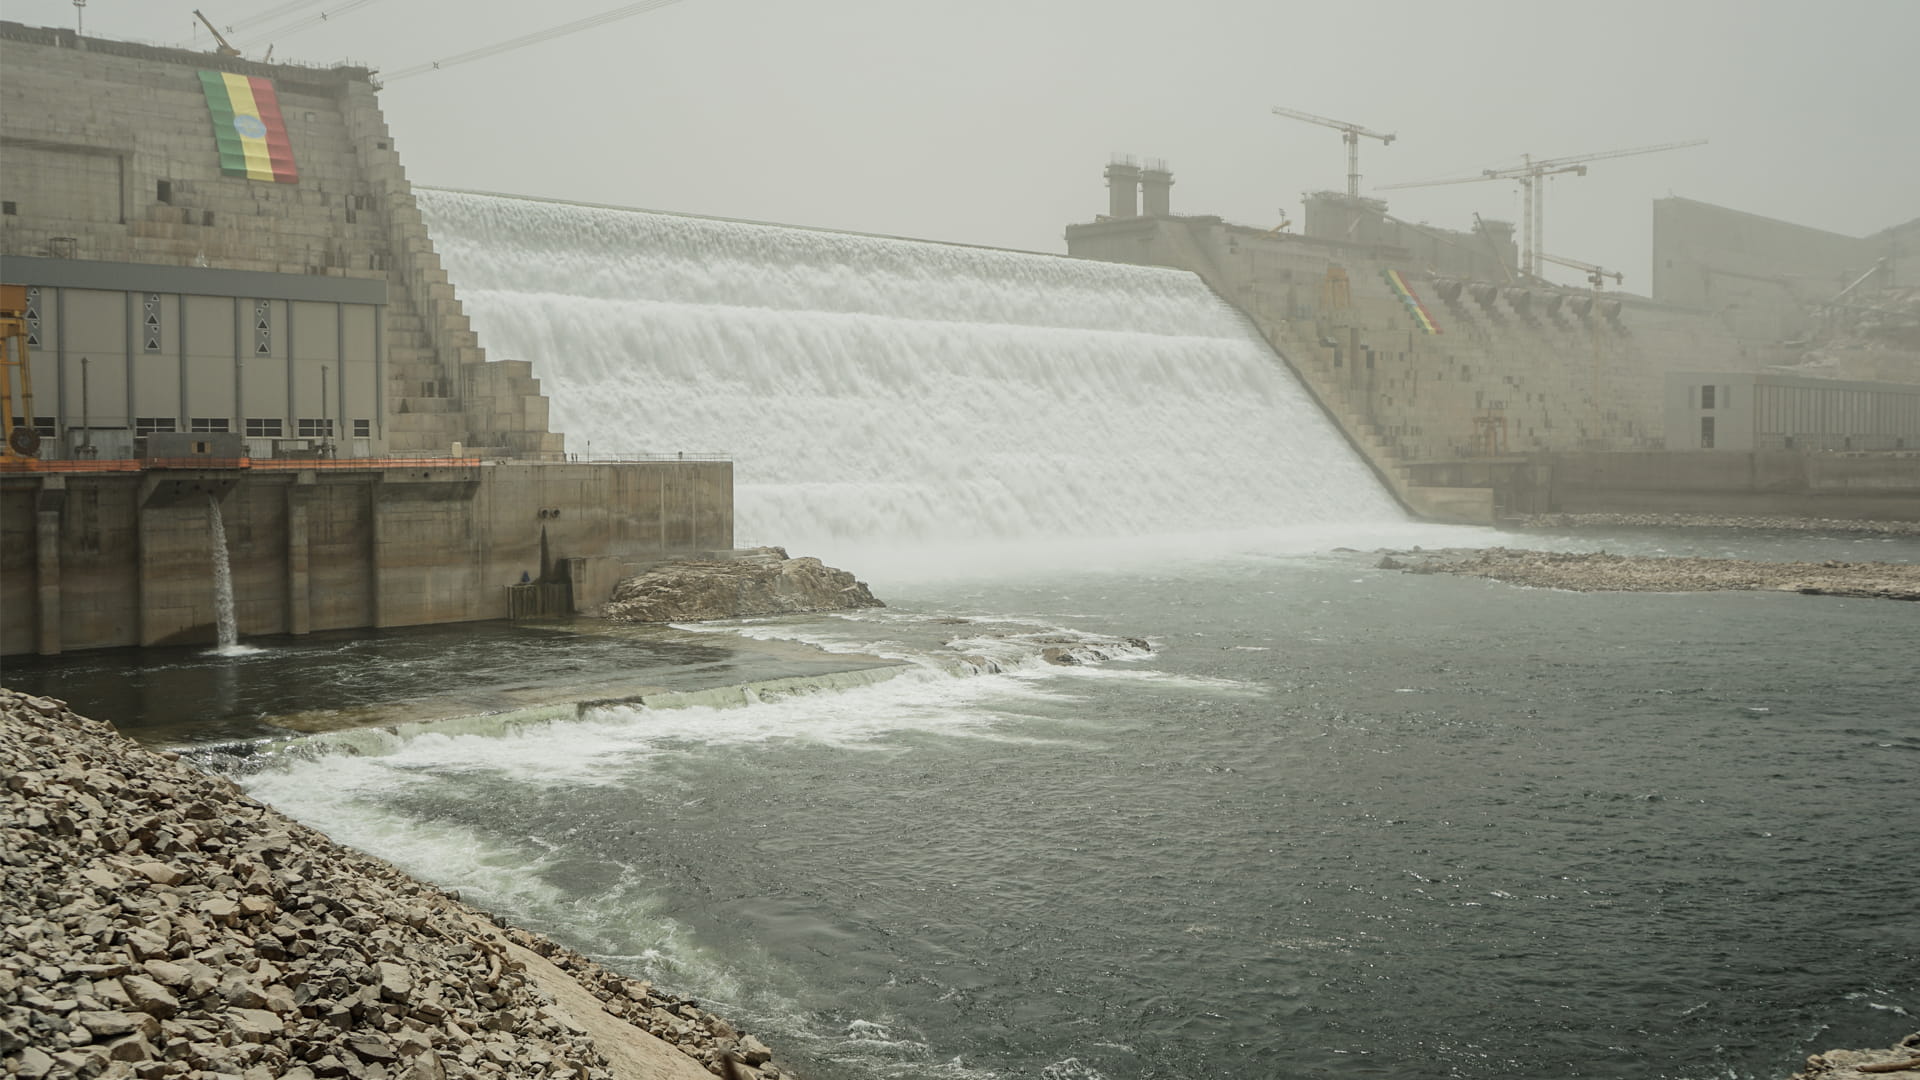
x=247 y=127
x=1411 y=300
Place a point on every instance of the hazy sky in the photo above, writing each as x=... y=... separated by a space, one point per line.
x=988 y=121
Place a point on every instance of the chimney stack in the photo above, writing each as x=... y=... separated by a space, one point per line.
x=1155 y=197
x=1123 y=188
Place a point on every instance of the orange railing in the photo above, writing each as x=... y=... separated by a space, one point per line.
x=128 y=465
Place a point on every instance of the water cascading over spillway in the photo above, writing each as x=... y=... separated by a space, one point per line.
x=891 y=390
x=228 y=627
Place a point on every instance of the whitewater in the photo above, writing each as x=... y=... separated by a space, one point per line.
x=877 y=391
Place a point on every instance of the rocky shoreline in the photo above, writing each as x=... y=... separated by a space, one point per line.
x=159 y=922
x=1604 y=572
x=1863 y=1064
x=1720 y=521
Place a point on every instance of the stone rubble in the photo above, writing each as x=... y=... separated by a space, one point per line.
x=1895 y=1061
x=1601 y=571
x=156 y=921
x=1720 y=521
x=754 y=582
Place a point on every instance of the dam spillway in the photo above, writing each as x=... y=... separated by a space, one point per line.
x=891 y=390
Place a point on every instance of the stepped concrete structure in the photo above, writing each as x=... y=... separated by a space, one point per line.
x=1465 y=384
x=110 y=162
x=230 y=295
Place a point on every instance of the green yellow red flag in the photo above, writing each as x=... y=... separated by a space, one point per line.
x=247 y=127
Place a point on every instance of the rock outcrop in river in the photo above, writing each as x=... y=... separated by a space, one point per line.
x=754 y=582
x=1600 y=572
x=1894 y=1061
x=158 y=922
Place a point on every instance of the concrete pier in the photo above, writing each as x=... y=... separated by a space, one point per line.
x=101 y=559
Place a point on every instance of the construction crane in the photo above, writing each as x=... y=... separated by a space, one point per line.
x=1350 y=133
x=1532 y=177
x=21 y=439
x=1596 y=275
x=224 y=49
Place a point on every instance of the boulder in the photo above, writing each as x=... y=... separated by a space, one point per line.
x=752 y=582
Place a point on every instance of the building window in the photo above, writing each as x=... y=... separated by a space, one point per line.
x=208 y=423
x=261 y=428
x=363 y=429
x=314 y=429
x=9 y=208
x=206 y=217
x=1706 y=432
x=1706 y=397
x=147 y=425
x=163 y=191
x=42 y=425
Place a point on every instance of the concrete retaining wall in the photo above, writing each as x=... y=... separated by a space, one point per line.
x=98 y=560
x=1877 y=487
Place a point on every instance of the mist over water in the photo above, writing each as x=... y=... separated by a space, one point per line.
x=879 y=391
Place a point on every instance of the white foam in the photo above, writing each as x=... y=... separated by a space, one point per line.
x=880 y=395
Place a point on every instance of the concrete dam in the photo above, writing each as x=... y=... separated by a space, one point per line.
x=887 y=391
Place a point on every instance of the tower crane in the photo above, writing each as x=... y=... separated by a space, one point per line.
x=1596 y=275
x=1349 y=133
x=1532 y=177
x=224 y=48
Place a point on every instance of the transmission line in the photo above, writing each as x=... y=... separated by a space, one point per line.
x=535 y=38
x=271 y=14
x=308 y=22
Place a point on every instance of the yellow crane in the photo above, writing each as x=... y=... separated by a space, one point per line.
x=22 y=440
x=1349 y=133
x=224 y=49
x=1532 y=176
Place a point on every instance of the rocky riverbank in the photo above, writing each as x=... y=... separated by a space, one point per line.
x=754 y=582
x=1900 y=1060
x=1721 y=521
x=1603 y=572
x=156 y=921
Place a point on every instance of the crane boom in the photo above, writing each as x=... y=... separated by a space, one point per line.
x=1532 y=175
x=224 y=49
x=1595 y=274
x=1349 y=133
x=1601 y=156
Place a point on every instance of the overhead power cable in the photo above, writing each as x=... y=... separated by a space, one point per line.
x=535 y=38
x=307 y=23
x=271 y=14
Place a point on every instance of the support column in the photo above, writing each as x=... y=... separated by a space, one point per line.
x=144 y=551
x=50 y=502
x=376 y=550
x=299 y=611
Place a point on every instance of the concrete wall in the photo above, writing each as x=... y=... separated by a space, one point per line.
x=1868 y=487
x=107 y=155
x=1548 y=368
x=1760 y=275
x=96 y=560
x=1780 y=412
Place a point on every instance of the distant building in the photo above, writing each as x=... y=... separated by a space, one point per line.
x=1724 y=410
x=1766 y=277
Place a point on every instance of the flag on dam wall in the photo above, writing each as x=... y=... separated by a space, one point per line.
x=247 y=127
x=1411 y=301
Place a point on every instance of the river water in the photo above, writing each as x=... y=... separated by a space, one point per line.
x=1333 y=822
x=1320 y=820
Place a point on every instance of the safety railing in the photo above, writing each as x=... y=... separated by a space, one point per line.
x=591 y=457
x=131 y=465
